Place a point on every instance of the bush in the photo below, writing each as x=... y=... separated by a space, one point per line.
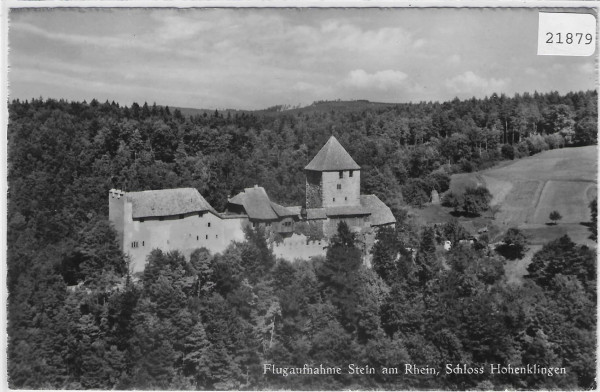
x=452 y=200
x=536 y=144
x=555 y=216
x=508 y=151
x=554 y=141
x=476 y=200
x=414 y=194
x=440 y=181
x=522 y=150
x=514 y=244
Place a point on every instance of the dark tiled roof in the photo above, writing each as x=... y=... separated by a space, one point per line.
x=167 y=202
x=281 y=210
x=316 y=213
x=380 y=213
x=347 y=210
x=257 y=204
x=332 y=157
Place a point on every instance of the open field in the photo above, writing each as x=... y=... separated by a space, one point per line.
x=527 y=190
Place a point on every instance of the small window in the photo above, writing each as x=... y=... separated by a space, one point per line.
x=142 y=220
x=208 y=224
x=180 y=216
x=351 y=173
x=341 y=173
x=143 y=243
x=346 y=198
x=253 y=224
x=207 y=236
x=197 y=238
x=217 y=236
x=134 y=244
x=199 y=214
x=334 y=199
x=339 y=186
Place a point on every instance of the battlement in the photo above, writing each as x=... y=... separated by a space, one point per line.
x=116 y=193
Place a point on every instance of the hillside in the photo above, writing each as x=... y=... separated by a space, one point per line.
x=527 y=190
x=316 y=107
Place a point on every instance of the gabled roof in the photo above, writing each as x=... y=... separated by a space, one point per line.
x=380 y=213
x=297 y=210
x=332 y=157
x=167 y=202
x=257 y=204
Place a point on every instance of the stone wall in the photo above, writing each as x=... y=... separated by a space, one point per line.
x=116 y=205
x=314 y=189
x=298 y=247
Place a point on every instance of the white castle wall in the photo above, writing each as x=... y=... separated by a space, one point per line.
x=297 y=247
x=173 y=233
x=348 y=195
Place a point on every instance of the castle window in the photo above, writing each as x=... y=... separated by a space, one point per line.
x=341 y=173
x=339 y=186
x=351 y=172
x=334 y=199
x=217 y=236
x=180 y=216
x=197 y=238
x=346 y=198
x=208 y=224
x=207 y=236
x=134 y=244
x=143 y=243
x=253 y=224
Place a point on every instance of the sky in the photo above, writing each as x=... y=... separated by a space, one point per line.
x=257 y=58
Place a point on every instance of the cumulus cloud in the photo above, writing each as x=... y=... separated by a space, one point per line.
x=471 y=83
x=380 y=80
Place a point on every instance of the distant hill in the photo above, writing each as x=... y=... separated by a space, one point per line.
x=315 y=107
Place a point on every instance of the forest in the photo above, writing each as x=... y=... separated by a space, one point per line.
x=77 y=319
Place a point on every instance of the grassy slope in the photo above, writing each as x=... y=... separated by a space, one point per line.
x=527 y=190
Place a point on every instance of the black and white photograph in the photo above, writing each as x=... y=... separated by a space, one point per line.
x=211 y=197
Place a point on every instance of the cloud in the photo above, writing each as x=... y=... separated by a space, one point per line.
x=380 y=80
x=471 y=83
x=454 y=59
x=587 y=68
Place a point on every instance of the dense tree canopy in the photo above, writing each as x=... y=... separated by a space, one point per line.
x=78 y=320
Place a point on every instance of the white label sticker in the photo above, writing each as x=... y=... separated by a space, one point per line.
x=566 y=34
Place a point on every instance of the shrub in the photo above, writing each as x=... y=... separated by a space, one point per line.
x=476 y=200
x=452 y=200
x=514 y=244
x=440 y=181
x=508 y=151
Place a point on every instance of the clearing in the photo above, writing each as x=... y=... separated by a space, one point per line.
x=527 y=190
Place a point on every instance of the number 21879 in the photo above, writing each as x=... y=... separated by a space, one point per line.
x=569 y=38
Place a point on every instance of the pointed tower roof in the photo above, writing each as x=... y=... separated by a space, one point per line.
x=332 y=157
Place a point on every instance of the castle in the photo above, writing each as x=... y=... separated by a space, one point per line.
x=181 y=219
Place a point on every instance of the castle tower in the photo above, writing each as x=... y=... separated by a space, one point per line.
x=332 y=178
